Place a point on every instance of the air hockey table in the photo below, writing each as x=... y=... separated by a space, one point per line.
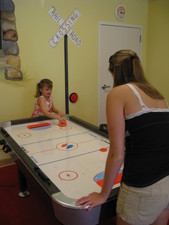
x=66 y=163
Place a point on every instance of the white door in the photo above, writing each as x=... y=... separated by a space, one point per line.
x=113 y=37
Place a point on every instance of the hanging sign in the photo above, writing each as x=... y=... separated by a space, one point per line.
x=65 y=27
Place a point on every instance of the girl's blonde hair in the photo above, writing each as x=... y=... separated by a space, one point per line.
x=41 y=84
x=126 y=67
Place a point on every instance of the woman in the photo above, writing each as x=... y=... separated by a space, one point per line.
x=137 y=118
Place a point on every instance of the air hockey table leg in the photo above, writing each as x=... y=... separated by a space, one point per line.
x=23 y=185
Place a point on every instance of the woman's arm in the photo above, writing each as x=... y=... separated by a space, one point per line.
x=116 y=128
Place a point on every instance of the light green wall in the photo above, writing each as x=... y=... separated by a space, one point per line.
x=158 y=45
x=39 y=60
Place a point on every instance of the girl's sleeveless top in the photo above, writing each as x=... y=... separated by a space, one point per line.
x=37 y=110
x=147 y=145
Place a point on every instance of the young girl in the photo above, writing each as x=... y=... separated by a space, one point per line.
x=44 y=105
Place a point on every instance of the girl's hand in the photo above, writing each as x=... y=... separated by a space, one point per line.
x=61 y=119
x=61 y=113
x=90 y=201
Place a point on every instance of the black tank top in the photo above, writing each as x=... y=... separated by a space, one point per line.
x=147 y=145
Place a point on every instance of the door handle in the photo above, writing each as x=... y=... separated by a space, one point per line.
x=104 y=86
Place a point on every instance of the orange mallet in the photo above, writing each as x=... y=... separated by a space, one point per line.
x=62 y=123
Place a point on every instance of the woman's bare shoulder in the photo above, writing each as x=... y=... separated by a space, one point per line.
x=119 y=91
